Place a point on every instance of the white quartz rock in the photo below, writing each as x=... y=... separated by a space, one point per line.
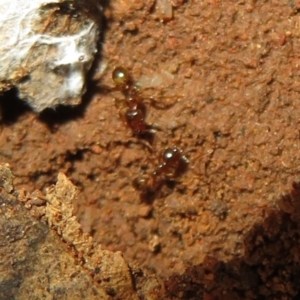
x=46 y=49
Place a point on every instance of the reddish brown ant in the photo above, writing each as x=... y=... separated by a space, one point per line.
x=172 y=164
x=135 y=112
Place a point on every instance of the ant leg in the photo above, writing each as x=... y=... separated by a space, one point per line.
x=160 y=104
x=120 y=104
x=160 y=101
x=143 y=142
x=154 y=127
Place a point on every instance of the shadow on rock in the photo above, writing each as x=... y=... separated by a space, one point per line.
x=12 y=107
x=269 y=269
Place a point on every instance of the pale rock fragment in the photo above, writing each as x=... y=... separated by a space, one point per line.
x=6 y=178
x=47 y=256
x=47 y=47
x=115 y=274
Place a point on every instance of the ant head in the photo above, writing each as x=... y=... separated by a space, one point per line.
x=173 y=159
x=121 y=77
x=171 y=156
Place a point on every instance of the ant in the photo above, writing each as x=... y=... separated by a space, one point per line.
x=135 y=113
x=172 y=164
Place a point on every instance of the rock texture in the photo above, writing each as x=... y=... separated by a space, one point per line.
x=45 y=255
x=268 y=269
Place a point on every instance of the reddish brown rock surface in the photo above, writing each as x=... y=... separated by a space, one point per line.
x=234 y=68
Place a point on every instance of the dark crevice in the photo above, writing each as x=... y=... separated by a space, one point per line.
x=12 y=107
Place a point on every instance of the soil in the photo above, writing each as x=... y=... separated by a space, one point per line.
x=227 y=74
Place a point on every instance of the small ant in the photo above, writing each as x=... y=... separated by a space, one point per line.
x=172 y=164
x=135 y=113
